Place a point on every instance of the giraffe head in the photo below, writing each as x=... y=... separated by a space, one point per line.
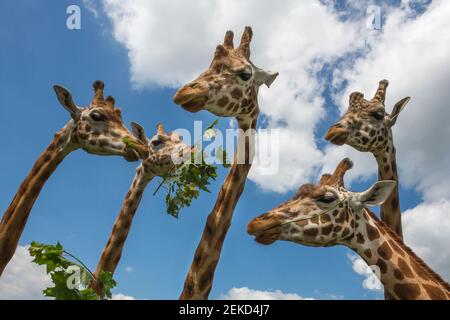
x=98 y=128
x=319 y=215
x=366 y=126
x=165 y=150
x=229 y=86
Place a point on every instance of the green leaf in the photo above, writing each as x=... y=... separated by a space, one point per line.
x=212 y=125
x=184 y=183
x=128 y=142
x=57 y=265
x=106 y=278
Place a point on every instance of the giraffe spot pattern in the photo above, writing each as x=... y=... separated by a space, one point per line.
x=404 y=268
x=382 y=265
x=360 y=238
x=385 y=251
x=398 y=274
x=407 y=291
x=372 y=233
x=434 y=292
x=311 y=232
x=326 y=230
x=222 y=102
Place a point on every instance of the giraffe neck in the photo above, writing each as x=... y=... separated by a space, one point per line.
x=16 y=215
x=198 y=283
x=112 y=252
x=403 y=274
x=387 y=170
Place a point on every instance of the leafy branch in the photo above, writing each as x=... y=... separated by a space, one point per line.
x=70 y=279
x=186 y=180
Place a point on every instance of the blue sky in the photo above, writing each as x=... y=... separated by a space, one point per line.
x=79 y=203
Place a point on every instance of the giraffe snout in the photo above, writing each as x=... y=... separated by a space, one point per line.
x=266 y=229
x=337 y=134
x=192 y=97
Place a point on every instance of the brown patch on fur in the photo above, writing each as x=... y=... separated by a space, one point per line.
x=326 y=230
x=420 y=263
x=385 y=251
x=407 y=291
x=396 y=248
x=404 y=268
x=372 y=233
x=223 y=101
x=434 y=292
x=380 y=263
x=398 y=274
x=311 y=232
x=236 y=93
x=346 y=232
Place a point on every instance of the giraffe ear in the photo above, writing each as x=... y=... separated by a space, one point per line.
x=139 y=132
x=66 y=100
x=264 y=77
x=378 y=193
x=397 y=109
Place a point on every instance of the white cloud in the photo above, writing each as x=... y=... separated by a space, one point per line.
x=23 y=279
x=121 y=296
x=413 y=54
x=91 y=5
x=169 y=44
x=371 y=281
x=251 y=294
x=426 y=229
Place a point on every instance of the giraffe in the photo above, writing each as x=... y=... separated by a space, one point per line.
x=97 y=129
x=228 y=88
x=165 y=150
x=368 y=128
x=326 y=214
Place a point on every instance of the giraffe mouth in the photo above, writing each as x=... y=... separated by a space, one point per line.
x=131 y=155
x=269 y=236
x=265 y=232
x=337 y=136
x=195 y=104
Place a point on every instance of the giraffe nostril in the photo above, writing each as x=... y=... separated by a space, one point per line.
x=337 y=125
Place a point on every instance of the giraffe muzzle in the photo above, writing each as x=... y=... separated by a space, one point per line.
x=265 y=231
x=191 y=99
x=337 y=135
x=136 y=152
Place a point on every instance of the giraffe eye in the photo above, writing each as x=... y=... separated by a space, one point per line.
x=96 y=116
x=327 y=198
x=379 y=115
x=156 y=143
x=246 y=75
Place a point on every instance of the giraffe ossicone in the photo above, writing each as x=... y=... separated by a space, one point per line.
x=327 y=214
